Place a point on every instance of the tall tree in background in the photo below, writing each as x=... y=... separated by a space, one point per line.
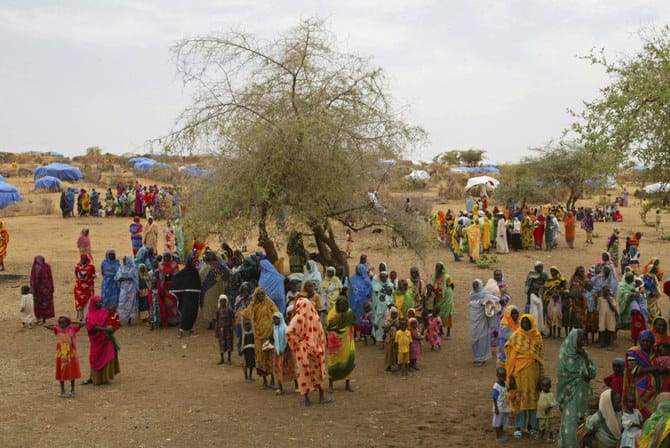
x=294 y=123
x=632 y=115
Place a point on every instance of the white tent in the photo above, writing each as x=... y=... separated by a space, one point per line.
x=658 y=187
x=418 y=175
x=481 y=185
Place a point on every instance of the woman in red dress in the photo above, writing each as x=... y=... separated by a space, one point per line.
x=538 y=231
x=84 y=286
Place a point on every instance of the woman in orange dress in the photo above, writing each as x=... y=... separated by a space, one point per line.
x=4 y=241
x=570 y=230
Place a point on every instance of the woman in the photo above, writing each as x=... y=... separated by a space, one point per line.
x=331 y=288
x=129 y=283
x=527 y=229
x=42 y=286
x=538 y=231
x=508 y=325
x=179 y=240
x=241 y=303
x=480 y=323
x=84 y=284
x=103 y=358
x=84 y=242
x=570 y=231
x=313 y=274
x=360 y=291
x=260 y=312
x=605 y=425
x=578 y=305
x=4 y=242
x=110 y=287
x=170 y=238
x=186 y=286
x=652 y=292
x=574 y=374
x=273 y=284
x=473 y=234
x=626 y=292
x=517 y=243
x=215 y=278
x=656 y=430
x=307 y=341
x=587 y=225
x=501 y=235
x=443 y=288
x=168 y=305
x=640 y=373
x=524 y=364
x=341 y=347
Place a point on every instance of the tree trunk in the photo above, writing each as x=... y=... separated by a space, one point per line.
x=264 y=240
x=329 y=252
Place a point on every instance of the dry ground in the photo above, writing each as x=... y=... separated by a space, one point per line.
x=171 y=393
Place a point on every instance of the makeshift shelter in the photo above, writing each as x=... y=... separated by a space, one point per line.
x=62 y=171
x=481 y=185
x=192 y=170
x=658 y=187
x=49 y=183
x=135 y=160
x=2 y=179
x=8 y=195
x=418 y=175
x=146 y=165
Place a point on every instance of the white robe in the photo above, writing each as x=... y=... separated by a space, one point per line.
x=501 y=237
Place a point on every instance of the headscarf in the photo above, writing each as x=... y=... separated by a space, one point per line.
x=102 y=349
x=526 y=342
x=313 y=275
x=360 y=291
x=146 y=275
x=648 y=334
x=612 y=420
x=492 y=287
x=279 y=333
x=657 y=428
x=188 y=279
x=572 y=369
x=40 y=274
x=507 y=324
x=273 y=283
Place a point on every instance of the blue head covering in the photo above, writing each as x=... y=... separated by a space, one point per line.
x=273 y=283
x=279 y=333
x=647 y=334
x=360 y=291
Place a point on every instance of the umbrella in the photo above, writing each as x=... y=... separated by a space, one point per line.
x=481 y=185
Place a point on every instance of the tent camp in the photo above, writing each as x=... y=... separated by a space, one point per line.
x=135 y=160
x=418 y=175
x=192 y=170
x=49 y=183
x=148 y=164
x=8 y=195
x=62 y=171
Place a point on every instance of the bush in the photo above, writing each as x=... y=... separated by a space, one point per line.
x=665 y=236
x=485 y=261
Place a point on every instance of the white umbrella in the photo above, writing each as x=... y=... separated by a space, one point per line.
x=483 y=184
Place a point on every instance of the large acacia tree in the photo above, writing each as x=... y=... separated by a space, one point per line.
x=294 y=123
x=631 y=117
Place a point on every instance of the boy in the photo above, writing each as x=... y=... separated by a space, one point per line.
x=27 y=313
x=545 y=403
x=403 y=338
x=501 y=406
x=248 y=351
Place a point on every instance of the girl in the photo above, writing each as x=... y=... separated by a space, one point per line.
x=249 y=351
x=67 y=363
x=225 y=322
x=631 y=420
x=554 y=316
x=390 y=328
x=366 y=322
x=349 y=246
x=434 y=332
x=283 y=365
x=415 y=349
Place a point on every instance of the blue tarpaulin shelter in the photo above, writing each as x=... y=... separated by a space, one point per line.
x=639 y=168
x=149 y=164
x=47 y=183
x=134 y=160
x=192 y=170
x=8 y=195
x=60 y=170
x=475 y=169
x=2 y=179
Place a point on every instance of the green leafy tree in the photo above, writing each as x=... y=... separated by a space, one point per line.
x=631 y=117
x=295 y=125
x=472 y=156
x=448 y=158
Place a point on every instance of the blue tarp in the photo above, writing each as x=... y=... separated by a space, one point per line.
x=639 y=168
x=47 y=183
x=389 y=163
x=2 y=179
x=55 y=154
x=149 y=164
x=476 y=169
x=193 y=170
x=139 y=159
x=60 y=170
x=8 y=195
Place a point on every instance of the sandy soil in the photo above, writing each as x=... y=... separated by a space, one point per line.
x=171 y=393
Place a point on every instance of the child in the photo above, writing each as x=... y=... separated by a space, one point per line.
x=283 y=363
x=67 y=362
x=390 y=352
x=415 y=348
x=591 y=324
x=501 y=406
x=637 y=320
x=555 y=315
x=349 y=244
x=366 y=322
x=663 y=360
x=429 y=302
x=225 y=327
x=607 y=316
x=615 y=380
x=545 y=403
x=403 y=339
x=631 y=420
x=27 y=313
x=565 y=314
x=248 y=351
x=658 y=224
x=113 y=321
x=434 y=332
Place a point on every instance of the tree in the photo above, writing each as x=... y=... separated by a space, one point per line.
x=472 y=156
x=448 y=158
x=294 y=123
x=632 y=115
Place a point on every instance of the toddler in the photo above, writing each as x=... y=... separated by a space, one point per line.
x=501 y=406
x=67 y=362
x=403 y=339
x=615 y=380
x=366 y=322
x=555 y=315
x=545 y=403
x=225 y=328
x=390 y=352
x=415 y=349
x=27 y=313
x=434 y=331
x=631 y=420
x=248 y=351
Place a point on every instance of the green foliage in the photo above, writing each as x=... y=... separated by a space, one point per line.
x=520 y=182
x=630 y=118
x=448 y=158
x=470 y=156
x=665 y=236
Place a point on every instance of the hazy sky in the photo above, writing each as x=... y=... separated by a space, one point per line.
x=491 y=74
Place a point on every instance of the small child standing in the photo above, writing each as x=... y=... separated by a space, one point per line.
x=366 y=322
x=501 y=406
x=67 y=362
x=631 y=420
x=403 y=339
x=434 y=331
x=248 y=351
x=555 y=315
x=615 y=380
x=545 y=403
x=114 y=321
x=415 y=349
x=27 y=313
x=658 y=224
x=225 y=328
x=390 y=329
